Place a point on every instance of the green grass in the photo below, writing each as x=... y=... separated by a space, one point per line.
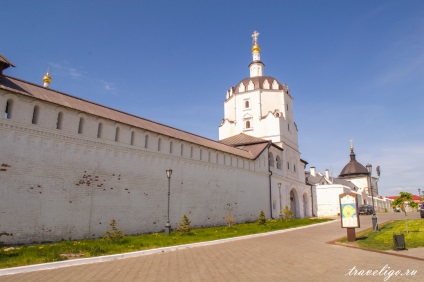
x=383 y=240
x=42 y=253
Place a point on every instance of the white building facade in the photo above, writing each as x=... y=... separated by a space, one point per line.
x=354 y=178
x=69 y=166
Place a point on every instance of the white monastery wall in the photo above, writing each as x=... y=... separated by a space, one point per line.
x=58 y=184
x=327 y=199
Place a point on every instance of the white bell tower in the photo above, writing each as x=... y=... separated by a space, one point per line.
x=260 y=106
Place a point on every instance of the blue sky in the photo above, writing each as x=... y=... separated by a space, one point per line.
x=355 y=68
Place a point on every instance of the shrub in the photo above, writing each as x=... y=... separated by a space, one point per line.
x=184 y=226
x=114 y=234
x=229 y=220
x=261 y=219
x=286 y=213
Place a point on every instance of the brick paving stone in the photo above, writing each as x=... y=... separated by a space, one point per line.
x=300 y=255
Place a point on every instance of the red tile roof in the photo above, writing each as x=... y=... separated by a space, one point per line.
x=26 y=88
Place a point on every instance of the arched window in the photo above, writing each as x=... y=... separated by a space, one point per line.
x=8 y=109
x=170 y=147
x=247 y=124
x=146 y=141
x=278 y=160
x=59 y=122
x=159 y=143
x=216 y=158
x=132 y=137
x=246 y=104
x=81 y=126
x=209 y=156
x=288 y=127
x=294 y=168
x=100 y=130
x=201 y=152
x=271 y=159
x=117 y=134
x=191 y=152
x=288 y=165
x=182 y=149
x=35 y=114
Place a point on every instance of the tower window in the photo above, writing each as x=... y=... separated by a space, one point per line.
x=201 y=153
x=278 y=160
x=246 y=104
x=170 y=147
x=8 y=110
x=59 y=121
x=35 y=114
x=294 y=168
x=191 y=152
x=247 y=124
x=182 y=149
x=159 y=143
x=288 y=127
x=287 y=107
x=271 y=159
x=288 y=165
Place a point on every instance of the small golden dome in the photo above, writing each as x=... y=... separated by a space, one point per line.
x=256 y=48
x=47 y=78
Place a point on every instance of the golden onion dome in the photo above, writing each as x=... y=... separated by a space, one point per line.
x=47 y=78
x=256 y=48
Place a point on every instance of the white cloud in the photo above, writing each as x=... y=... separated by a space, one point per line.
x=108 y=86
x=65 y=69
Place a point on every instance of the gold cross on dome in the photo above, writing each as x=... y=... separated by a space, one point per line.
x=255 y=37
x=351 y=144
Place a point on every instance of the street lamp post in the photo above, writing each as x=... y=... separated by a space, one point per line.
x=279 y=194
x=419 y=194
x=168 y=225
x=374 y=216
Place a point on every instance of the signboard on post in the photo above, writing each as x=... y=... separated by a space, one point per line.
x=349 y=214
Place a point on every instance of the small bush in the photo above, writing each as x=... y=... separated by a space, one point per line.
x=286 y=213
x=114 y=234
x=261 y=219
x=229 y=220
x=184 y=226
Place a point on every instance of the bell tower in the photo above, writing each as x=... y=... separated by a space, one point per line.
x=260 y=106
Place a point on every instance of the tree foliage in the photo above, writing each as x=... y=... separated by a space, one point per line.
x=286 y=213
x=184 y=226
x=114 y=234
x=404 y=199
x=261 y=219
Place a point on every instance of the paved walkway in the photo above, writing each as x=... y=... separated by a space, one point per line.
x=300 y=255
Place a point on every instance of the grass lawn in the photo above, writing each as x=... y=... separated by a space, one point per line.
x=11 y=256
x=383 y=240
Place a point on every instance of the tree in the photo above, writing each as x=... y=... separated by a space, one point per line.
x=114 y=234
x=261 y=219
x=401 y=201
x=184 y=226
x=286 y=213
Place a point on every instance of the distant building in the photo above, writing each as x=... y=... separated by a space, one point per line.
x=353 y=178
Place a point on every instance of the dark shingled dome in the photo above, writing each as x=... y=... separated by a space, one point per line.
x=353 y=168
